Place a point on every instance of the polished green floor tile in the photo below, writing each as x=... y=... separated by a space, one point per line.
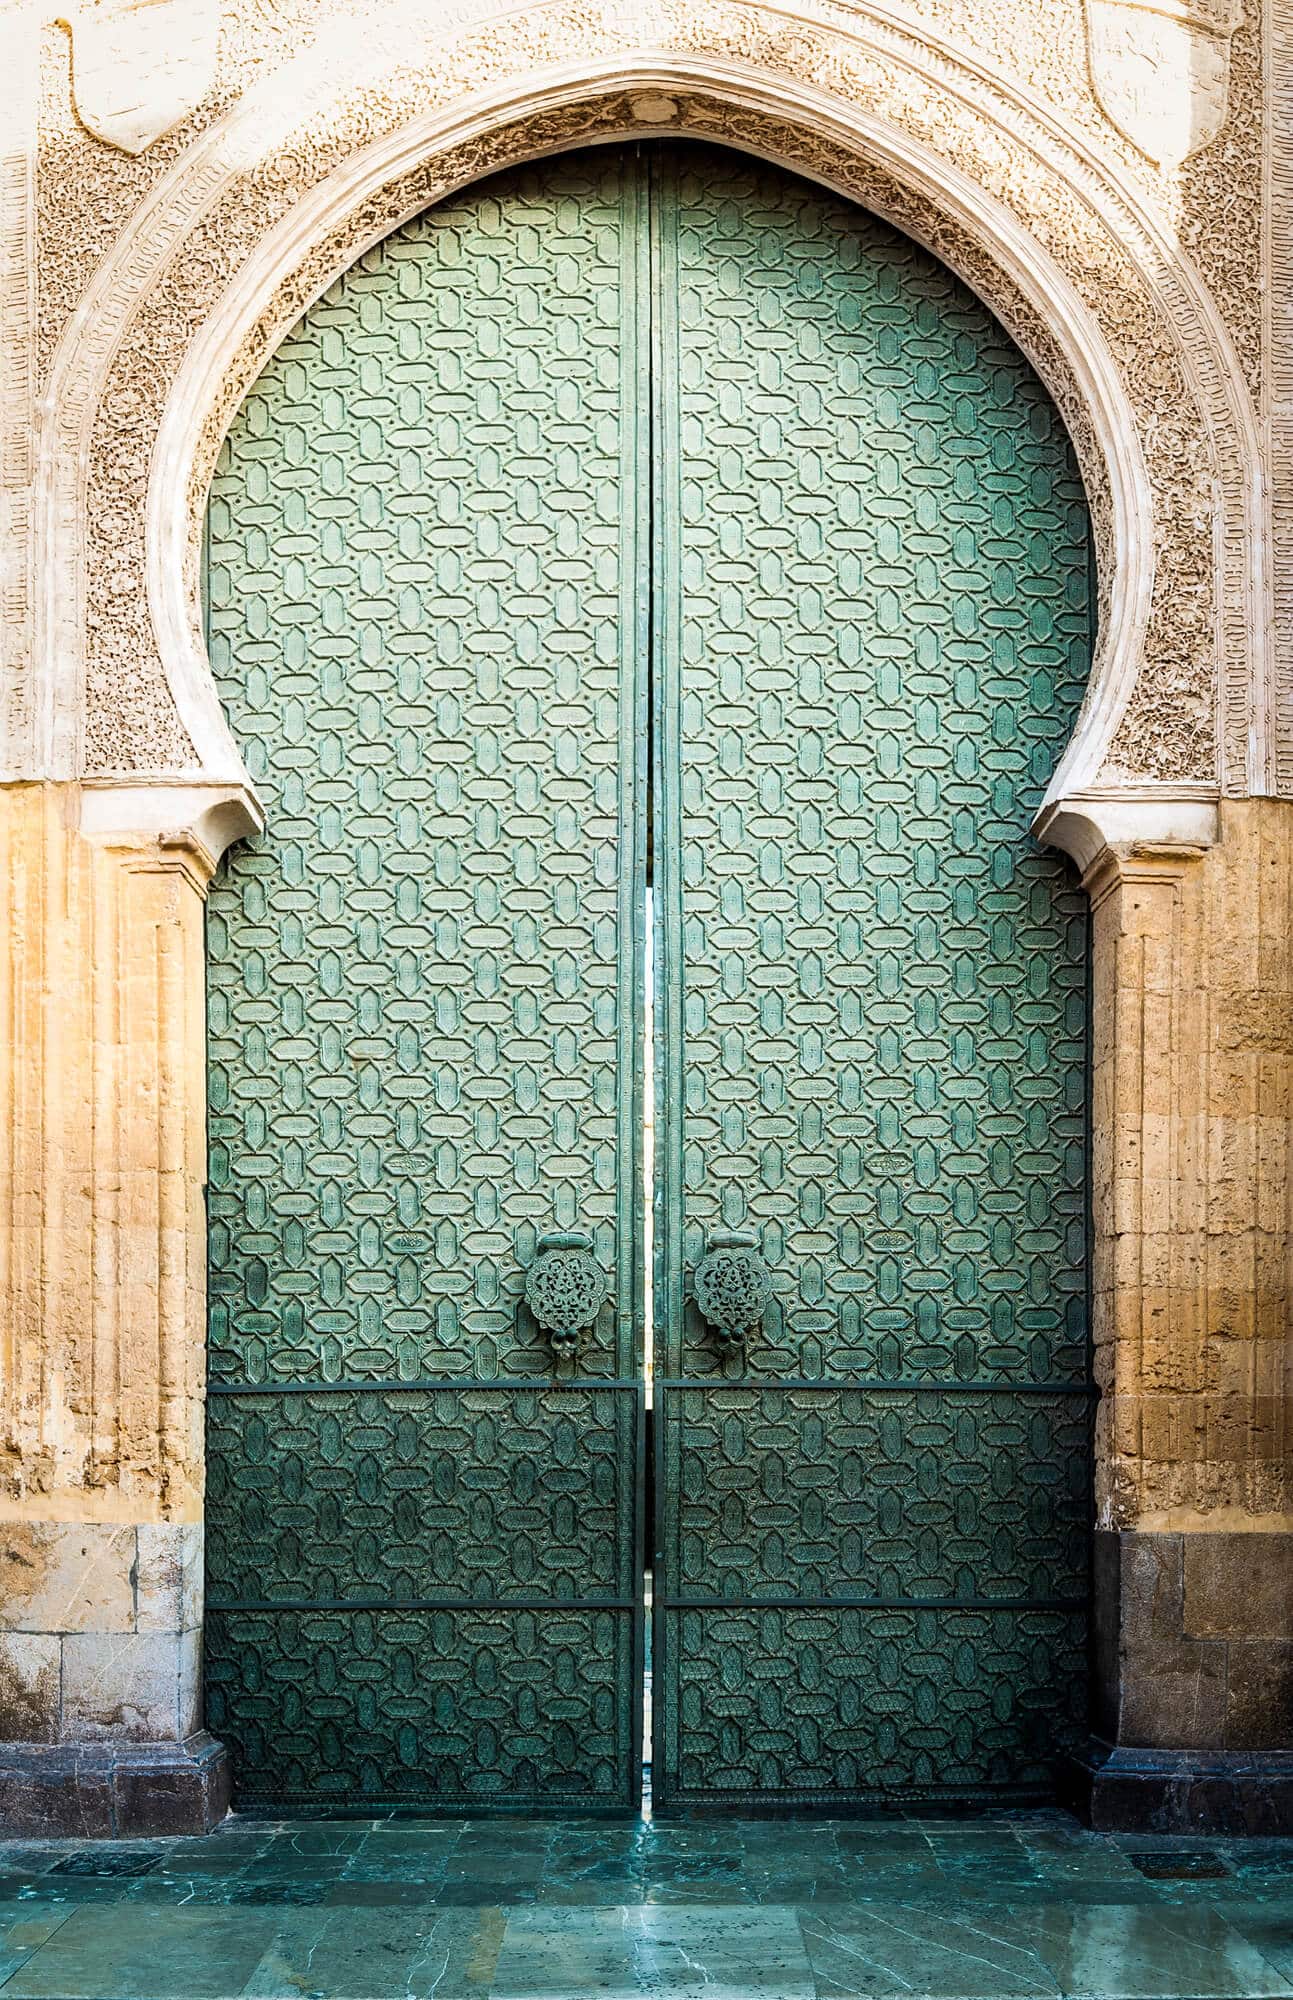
x=348 y=1895
x=676 y=1954
x=175 y=1892
x=571 y=1846
x=377 y=1955
x=1028 y=1907
x=884 y=1949
x=218 y=1853
x=385 y=1857
x=674 y=1838
x=413 y=1841
x=730 y=1890
x=504 y=1837
x=413 y=1869
x=462 y=1895
x=657 y=1867
x=71 y=1890
x=124 y=1953
x=24 y=1927
x=1139 y=1952
x=831 y=1883
x=522 y=1867
x=600 y=1893
x=883 y=1846
x=1268 y=1927
x=318 y=1839
x=1062 y=1858
x=285 y=1859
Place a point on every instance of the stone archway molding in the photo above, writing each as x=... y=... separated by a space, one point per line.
x=657 y=90
x=1181 y=659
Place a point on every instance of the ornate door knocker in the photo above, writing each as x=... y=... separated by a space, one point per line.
x=733 y=1286
x=565 y=1288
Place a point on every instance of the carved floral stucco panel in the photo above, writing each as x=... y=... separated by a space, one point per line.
x=87 y=192
x=1218 y=199
x=1169 y=730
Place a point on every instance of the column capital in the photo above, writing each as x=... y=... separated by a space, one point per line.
x=1129 y=822
x=183 y=824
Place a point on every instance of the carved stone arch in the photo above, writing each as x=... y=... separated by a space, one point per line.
x=268 y=206
x=364 y=200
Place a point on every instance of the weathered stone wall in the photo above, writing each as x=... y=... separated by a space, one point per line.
x=178 y=179
x=1193 y=1167
x=102 y=1252
x=1193 y=1285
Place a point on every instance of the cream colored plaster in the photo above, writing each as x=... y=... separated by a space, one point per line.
x=140 y=66
x=1161 y=70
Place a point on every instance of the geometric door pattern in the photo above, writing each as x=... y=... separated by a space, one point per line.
x=873 y=630
x=644 y=426
x=424 y=547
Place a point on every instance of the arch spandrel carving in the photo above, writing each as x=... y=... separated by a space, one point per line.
x=275 y=198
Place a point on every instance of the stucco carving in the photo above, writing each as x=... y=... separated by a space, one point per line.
x=232 y=359
x=140 y=66
x=1161 y=69
x=17 y=368
x=1278 y=383
x=815 y=88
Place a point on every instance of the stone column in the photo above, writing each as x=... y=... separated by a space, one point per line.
x=102 y=1281
x=1192 y=1123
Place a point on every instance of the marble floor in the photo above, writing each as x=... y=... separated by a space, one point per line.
x=992 y=1908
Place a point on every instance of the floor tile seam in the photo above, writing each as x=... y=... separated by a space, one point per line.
x=70 y=1911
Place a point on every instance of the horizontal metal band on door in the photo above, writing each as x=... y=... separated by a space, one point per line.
x=371 y=1604
x=545 y=1383
x=870 y=1603
x=437 y=1385
x=863 y=1385
x=358 y=1605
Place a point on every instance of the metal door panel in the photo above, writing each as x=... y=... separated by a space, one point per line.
x=872 y=637
x=451 y=522
x=427 y=621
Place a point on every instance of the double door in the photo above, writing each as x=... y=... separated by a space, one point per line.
x=647 y=1051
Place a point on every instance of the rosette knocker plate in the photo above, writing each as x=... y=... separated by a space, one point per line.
x=733 y=1286
x=565 y=1288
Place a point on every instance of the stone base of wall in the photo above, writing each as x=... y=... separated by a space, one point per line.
x=103 y=1791
x=1192 y=1641
x=1121 y=1790
x=1192 y=1684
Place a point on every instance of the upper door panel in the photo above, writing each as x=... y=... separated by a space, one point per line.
x=427 y=621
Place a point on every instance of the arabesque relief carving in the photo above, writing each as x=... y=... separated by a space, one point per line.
x=282 y=119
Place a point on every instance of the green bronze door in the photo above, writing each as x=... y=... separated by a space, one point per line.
x=871 y=637
x=647 y=447
x=426 y=544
